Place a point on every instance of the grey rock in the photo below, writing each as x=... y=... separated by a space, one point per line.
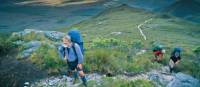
x=19 y=42
x=30 y=48
x=27 y=52
x=54 y=35
x=116 y=33
x=183 y=80
x=112 y=3
x=26 y=31
x=32 y=44
x=160 y=79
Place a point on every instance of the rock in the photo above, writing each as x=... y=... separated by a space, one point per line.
x=26 y=53
x=112 y=3
x=116 y=33
x=30 y=48
x=183 y=80
x=160 y=79
x=32 y=44
x=152 y=26
x=26 y=83
x=99 y=23
x=141 y=52
x=19 y=42
x=25 y=32
x=165 y=69
x=52 y=82
x=69 y=79
x=54 y=35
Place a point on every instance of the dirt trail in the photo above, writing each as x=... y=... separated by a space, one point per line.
x=140 y=29
x=61 y=81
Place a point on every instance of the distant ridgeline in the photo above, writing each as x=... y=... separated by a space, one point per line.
x=186 y=9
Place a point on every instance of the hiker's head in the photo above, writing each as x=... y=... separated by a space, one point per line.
x=176 y=52
x=66 y=39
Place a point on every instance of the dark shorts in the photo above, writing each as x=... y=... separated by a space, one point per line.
x=73 y=66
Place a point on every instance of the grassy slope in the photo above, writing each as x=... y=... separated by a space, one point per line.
x=170 y=31
x=125 y=20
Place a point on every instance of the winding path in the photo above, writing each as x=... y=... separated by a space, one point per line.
x=62 y=80
x=140 y=29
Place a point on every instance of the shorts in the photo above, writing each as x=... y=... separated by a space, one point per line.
x=73 y=66
x=171 y=63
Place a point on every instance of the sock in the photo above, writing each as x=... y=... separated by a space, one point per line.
x=83 y=78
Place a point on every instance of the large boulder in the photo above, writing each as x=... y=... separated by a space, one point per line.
x=183 y=80
x=30 y=47
x=159 y=78
x=26 y=31
x=54 y=35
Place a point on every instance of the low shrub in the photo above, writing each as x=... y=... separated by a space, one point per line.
x=47 y=58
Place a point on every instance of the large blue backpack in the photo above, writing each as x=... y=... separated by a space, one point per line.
x=176 y=50
x=76 y=38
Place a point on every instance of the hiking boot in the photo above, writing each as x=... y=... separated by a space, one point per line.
x=84 y=81
x=85 y=84
x=171 y=70
x=75 y=75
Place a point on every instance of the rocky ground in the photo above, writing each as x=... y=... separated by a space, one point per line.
x=160 y=78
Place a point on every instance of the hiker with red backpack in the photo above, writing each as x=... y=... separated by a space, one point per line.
x=175 y=58
x=158 y=52
x=72 y=51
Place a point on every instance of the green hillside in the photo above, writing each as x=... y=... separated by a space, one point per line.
x=169 y=31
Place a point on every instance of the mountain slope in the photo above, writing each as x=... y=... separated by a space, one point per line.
x=125 y=19
x=184 y=8
x=122 y=23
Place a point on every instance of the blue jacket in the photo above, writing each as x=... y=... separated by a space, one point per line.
x=69 y=52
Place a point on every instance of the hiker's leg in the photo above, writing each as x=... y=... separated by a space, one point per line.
x=75 y=76
x=82 y=75
x=69 y=72
x=71 y=69
x=155 y=57
x=160 y=57
x=171 y=65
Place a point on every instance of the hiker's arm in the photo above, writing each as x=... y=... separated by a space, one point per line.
x=60 y=52
x=79 y=54
x=177 y=61
x=179 y=58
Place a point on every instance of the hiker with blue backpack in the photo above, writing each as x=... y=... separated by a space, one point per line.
x=175 y=58
x=72 y=51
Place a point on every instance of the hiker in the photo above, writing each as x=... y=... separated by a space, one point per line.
x=175 y=58
x=158 y=52
x=71 y=52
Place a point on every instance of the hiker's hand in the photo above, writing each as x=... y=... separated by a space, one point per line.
x=79 y=66
x=65 y=60
x=177 y=62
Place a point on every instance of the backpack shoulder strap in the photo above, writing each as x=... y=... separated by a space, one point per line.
x=74 y=49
